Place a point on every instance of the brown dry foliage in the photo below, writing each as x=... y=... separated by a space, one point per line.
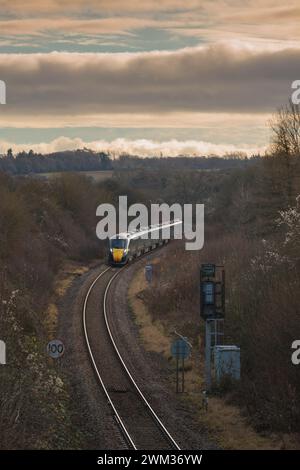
x=42 y=223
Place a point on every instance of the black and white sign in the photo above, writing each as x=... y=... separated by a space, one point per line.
x=55 y=348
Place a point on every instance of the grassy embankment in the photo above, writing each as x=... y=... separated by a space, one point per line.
x=226 y=423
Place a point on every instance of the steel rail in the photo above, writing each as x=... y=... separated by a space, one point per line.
x=117 y=416
x=147 y=404
x=152 y=413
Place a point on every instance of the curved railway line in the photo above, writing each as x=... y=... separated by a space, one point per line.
x=140 y=425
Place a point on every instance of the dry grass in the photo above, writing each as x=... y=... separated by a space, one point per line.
x=66 y=277
x=224 y=421
x=51 y=320
x=95 y=175
x=63 y=281
x=232 y=428
x=151 y=332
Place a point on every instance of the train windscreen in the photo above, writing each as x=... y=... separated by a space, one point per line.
x=118 y=243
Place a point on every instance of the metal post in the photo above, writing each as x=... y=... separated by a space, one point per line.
x=177 y=371
x=216 y=332
x=208 y=354
x=182 y=373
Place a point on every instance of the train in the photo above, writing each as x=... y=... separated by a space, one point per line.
x=124 y=247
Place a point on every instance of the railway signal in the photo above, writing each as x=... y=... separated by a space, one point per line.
x=212 y=291
x=212 y=307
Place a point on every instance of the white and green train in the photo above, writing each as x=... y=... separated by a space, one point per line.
x=124 y=247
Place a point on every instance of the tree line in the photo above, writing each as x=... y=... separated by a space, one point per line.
x=24 y=163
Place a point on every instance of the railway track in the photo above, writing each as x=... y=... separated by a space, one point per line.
x=140 y=425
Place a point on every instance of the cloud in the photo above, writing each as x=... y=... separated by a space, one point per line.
x=208 y=79
x=99 y=26
x=141 y=147
x=235 y=9
x=207 y=21
x=170 y=120
x=88 y=6
x=243 y=70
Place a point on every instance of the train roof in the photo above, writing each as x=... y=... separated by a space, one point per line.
x=145 y=230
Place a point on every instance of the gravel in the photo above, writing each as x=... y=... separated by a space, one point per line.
x=91 y=415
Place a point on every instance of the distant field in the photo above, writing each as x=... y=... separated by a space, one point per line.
x=96 y=175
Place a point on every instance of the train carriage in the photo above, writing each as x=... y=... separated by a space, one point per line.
x=123 y=247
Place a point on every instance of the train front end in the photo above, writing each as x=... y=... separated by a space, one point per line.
x=118 y=251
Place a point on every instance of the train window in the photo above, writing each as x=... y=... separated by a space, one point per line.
x=118 y=243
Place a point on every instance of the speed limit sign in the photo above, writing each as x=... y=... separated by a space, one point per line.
x=55 y=348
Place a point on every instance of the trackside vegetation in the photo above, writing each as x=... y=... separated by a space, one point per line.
x=252 y=218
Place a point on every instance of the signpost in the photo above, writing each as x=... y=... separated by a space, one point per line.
x=55 y=348
x=180 y=349
x=149 y=272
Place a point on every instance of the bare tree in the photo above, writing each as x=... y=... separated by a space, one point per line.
x=285 y=150
x=286 y=131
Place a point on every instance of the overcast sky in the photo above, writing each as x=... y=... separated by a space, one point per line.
x=146 y=76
